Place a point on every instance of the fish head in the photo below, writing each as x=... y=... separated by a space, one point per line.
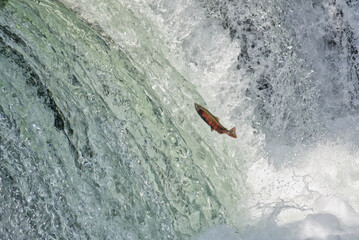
x=197 y=106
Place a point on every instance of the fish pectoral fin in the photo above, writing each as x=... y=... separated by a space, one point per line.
x=217 y=118
x=212 y=129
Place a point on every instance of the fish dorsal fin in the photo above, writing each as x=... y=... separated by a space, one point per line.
x=217 y=118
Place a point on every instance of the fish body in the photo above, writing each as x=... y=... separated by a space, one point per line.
x=213 y=121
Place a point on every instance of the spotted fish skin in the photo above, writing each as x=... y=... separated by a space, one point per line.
x=213 y=121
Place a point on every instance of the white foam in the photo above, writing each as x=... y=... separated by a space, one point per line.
x=316 y=226
x=315 y=198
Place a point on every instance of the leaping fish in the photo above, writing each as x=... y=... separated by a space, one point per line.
x=213 y=121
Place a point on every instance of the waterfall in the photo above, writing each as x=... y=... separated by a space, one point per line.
x=99 y=138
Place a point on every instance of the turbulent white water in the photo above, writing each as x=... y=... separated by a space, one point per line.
x=136 y=162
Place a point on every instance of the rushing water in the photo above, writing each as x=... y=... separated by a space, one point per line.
x=99 y=138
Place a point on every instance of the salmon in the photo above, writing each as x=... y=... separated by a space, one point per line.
x=213 y=121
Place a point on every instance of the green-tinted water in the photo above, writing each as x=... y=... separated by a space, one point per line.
x=96 y=144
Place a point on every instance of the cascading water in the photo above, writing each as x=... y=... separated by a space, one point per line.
x=99 y=138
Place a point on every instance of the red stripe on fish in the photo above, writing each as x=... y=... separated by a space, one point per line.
x=214 y=122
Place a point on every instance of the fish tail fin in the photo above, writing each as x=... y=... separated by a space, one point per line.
x=232 y=132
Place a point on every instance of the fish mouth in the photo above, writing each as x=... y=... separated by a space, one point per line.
x=196 y=106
